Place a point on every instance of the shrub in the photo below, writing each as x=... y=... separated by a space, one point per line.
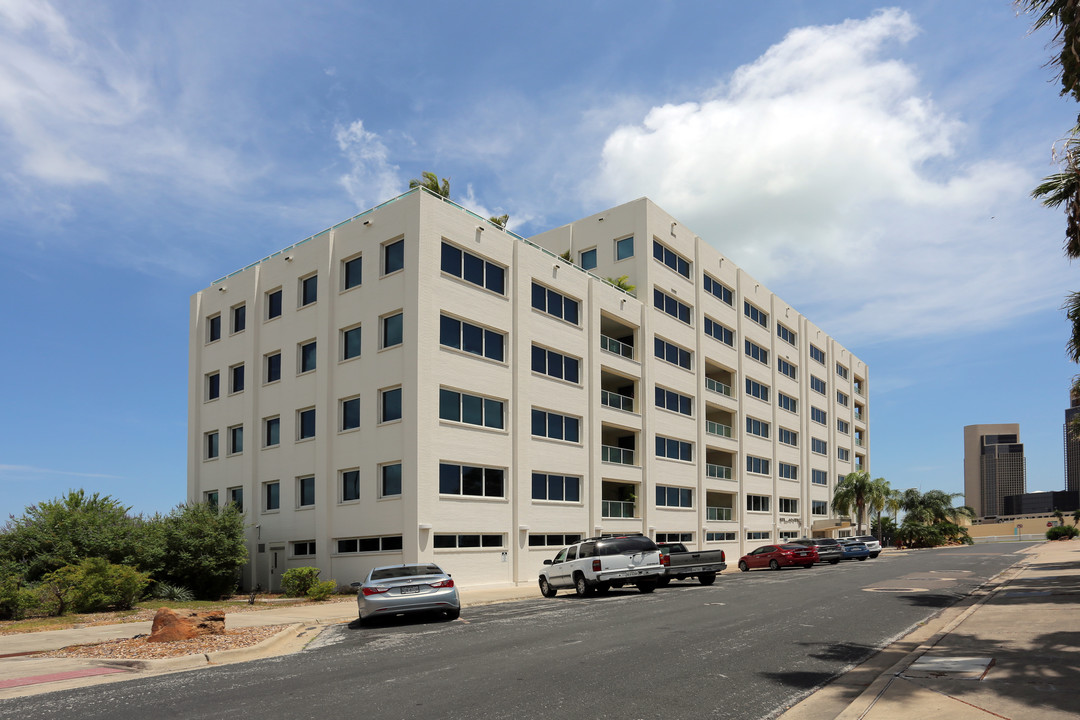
x=297 y=582
x=203 y=549
x=92 y=585
x=15 y=598
x=1062 y=532
x=175 y=593
x=321 y=590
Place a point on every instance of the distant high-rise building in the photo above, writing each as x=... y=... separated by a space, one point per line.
x=994 y=467
x=1072 y=445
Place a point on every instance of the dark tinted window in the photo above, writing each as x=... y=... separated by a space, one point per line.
x=627 y=545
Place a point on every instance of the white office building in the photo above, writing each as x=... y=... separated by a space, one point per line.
x=418 y=384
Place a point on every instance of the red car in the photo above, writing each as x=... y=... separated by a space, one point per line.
x=775 y=557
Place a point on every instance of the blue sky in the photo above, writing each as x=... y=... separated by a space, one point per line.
x=871 y=163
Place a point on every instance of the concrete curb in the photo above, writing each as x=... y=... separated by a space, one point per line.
x=219 y=657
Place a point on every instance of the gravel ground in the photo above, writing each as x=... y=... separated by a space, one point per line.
x=138 y=648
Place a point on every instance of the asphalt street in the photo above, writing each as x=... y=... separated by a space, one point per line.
x=747 y=647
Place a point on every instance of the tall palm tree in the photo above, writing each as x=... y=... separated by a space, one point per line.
x=895 y=503
x=431 y=182
x=851 y=493
x=1076 y=517
x=878 y=498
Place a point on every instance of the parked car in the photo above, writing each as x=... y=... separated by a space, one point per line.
x=595 y=565
x=828 y=549
x=853 y=549
x=416 y=587
x=775 y=557
x=680 y=563
x=871 y=544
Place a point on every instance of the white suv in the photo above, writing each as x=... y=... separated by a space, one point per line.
x=871 y=544
x=598 y=564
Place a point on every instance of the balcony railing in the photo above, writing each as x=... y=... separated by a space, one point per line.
x=618 y=455
x=717 y=387
x=617 y=401
x=718 y=471
x=858 y=441
x=614 y=346
x=859 y=416
x=717 y=513
x=715 y=428
x=617 y=509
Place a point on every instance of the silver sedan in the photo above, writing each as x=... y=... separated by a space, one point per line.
x=416 y=587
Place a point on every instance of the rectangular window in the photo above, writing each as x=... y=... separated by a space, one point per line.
x=236 y=378
x=304 y=548
x=664 y=302
x=720 y=537
x=386 y=543
x=390 y=480
x=841 y=371
x=788 y=437
x=273 y=367
x=841 y=398
x=587 y=259
x=624 y=248
x=818 y=415
x=211 y=498
x=817 y=353
x=309 y=290
x=466 y=540
x=757 y=427
x=213 y=328
x=757 y=503
x=273 y=304
x=788 y=505
x=786 y=334
x=350 y=485
x=461 y=335
x=789 y=534
x=236 y=497
x=390 y=405
x=672 y=353
x=755 y=351
x=561 y=488
x=471 y=480
x=393 y=257
x=818 y=477
x=843 y=426
x=271 y=431
x=239 y=318
x=671 y=400
x=352 y=273
x=683 y=537
x=307 y=356
x=817 y=384
x=843 y=454
x=555 y=304
x=556 y=365
x=786 y=402
x=350 y=343
x=211 y=445
x=669 y=496
x=540 y=540
x=756 y=389
x=719 y=332
x=788 y=471
x=473 y=269
x=674 y=449
x=236 y=439
x=756 y=465
x=305 y=424
x=350 y=414
x=819 y=507
x=671 y=258
x=213 y=386
x=305 y=491
x=786 y=368
x=818 y=446
x=392 y=329
x=471 y=409
x=272 y=496
x=718 y=289
x=758 y=534
x=555 y=426
x=756 y=314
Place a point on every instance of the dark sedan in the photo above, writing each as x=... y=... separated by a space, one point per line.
x=775 y=557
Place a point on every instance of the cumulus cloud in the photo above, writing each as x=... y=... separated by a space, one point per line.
x=371 y=177
x=825 y=170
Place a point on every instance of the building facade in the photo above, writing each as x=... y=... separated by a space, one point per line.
x=994 y=467
x=418 y=384
x=1072 y=444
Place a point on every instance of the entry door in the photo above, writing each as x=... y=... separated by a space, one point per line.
x=276 y=558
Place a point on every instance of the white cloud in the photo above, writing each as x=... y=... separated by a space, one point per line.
x=371 y=178
x=825 y=170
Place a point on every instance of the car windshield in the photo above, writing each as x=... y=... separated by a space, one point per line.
x=405 y=571
x=630 y=545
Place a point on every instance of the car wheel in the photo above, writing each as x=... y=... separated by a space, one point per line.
x=602 y=588
x=861 y=559
x=808 y=566
x=874 y=555
x=663 y=582
x=707 y=578
x=647 y=586
x=743 y=566
x=545 y=588
x=453 y=614
x=581 y=586
x=834 y=562
x=773 y=565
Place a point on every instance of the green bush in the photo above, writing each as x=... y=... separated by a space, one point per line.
x=321 y=590
x=297 y=582
x=15 y=598
x=92 y=585
x=1059 y=532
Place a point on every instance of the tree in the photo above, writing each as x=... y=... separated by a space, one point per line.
x=878 y=497
x=1060 y=516
x=1076 y=517
x=623 y=283
x=431 y=182
x=852 y=493
x=499 y=220
x=204 y=549
x=895 y=503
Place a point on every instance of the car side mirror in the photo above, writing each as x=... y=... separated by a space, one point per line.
x=548 y=561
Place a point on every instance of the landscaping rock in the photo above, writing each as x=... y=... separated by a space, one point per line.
x=170 y=625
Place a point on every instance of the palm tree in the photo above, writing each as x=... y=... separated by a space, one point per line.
x=1060 y=516
x=623 y=283
x=1062 y=16
x=431 y=182
x=852 y=493
x=1076 y=517
x=499 y=220
x=895 y=503
x=878 y=498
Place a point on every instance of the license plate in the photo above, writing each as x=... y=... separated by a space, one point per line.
x=696 y=570
x=406 y=589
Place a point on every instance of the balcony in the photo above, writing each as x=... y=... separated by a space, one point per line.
x=717 y=387
x=719 y=506
x=718 y=513
x=612 y=345
x=715 y=428
x=617 y=391
x=617 y=401
x=617 y=337
x=617 y=455
x=618 y=499
x=617 y=445
x=617 y=509
x=722 y=472
x=718 y=379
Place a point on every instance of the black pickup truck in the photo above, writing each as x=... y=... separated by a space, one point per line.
x=680 y=563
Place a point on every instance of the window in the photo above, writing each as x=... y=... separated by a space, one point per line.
x=785 y=367
x=236 y=497
x=562 y=488
x=472 y=409
x=670 y=258
x=390 y=405
x=308 y=356
x=756 y=389
x=236 y=378
x=239 y=318
x=668 y=496
x=350 y=414
x=817 y=384
x=272 y=496
x=461 y=335
x=211 y=445
x=819 y=507
x=350 y=485
x=473 y=269
x=718 y=289
x=555 y=304
x=841 y=371
x=817 y=477
x=587 y=259
x=684 y=537
x=843 y=454
x=236 y=439
x=309 y=290
x=393 y=257
x=757 y=503
x=555 y=426
x=755 y=351
x=786 y=402
x=304 y=548
x=467 y=540
x=817 y=353
x=719 y=332
x=352 y=272
x=841 y=398
x=843 y=426
x=273 y=304
x=788 y=505
x=757 y=427
x=213 y=386
x=556 y=365
x=786 y=335
x=392 y=330
x=758 y=534
x=390 y=480
x=541 y=540
x=788 y=437
x=213 y=328
x=672 y=353
x=350 y=343
x=671 y=306
x=624 y=249
x=720 y=537
x=756 y=465
x=788 y=472
x=271 y=431
x=305 y=424
x=305 y=491
x=756 y=314
x=818 y=415
x=818 y=446
x=386 y=543
x=789 y=534
x=273 y=367
x=674 y=449
x=211 y=498
x=671 y=400
x=471 y=480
